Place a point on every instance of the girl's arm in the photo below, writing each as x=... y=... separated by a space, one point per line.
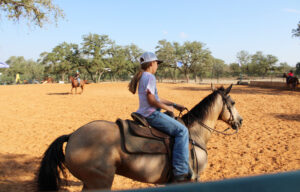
x=164 y=101
x=176 y=106
x=159 y=104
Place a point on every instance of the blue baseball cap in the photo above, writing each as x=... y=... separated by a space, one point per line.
x=148 y=57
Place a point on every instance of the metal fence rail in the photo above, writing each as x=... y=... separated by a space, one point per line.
x=281 y=182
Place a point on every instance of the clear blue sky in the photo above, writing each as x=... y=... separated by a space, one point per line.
x=225 y=26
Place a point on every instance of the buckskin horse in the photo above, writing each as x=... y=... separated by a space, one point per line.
x=75 y=84
x=97 y=151
x=291 y=82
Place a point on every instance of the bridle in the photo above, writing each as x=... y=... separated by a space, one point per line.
x=229 y=121
x=194 y=143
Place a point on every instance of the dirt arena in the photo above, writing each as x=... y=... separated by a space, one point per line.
x=32 y=116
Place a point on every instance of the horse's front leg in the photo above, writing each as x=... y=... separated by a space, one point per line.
x=72 y=90
x=81 y=89
x=294 y=86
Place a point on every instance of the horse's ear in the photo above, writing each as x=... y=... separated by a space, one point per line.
x=212 y=87
x=228 y=89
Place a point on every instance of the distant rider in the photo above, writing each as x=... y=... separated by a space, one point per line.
x=77 y=77
x=290 y=75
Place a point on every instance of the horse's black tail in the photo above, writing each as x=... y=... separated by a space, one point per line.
x=48 y=176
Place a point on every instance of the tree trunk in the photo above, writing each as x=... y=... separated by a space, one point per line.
x=99 y=77
x=200 y=77
x=186 y=77
x=63 y=76
x=91 y=74
x=174 y=74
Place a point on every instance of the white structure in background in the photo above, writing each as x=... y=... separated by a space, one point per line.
x=3 y=65
x=107 y=69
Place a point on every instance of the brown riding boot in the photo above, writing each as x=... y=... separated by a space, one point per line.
x=182 y=178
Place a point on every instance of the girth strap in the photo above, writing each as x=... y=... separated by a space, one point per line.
x=193 y=142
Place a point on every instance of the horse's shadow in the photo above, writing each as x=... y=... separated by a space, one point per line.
x=14 y=167
x=289 y=117
x=63 y=93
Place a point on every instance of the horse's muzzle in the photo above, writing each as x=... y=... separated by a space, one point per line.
x=237 y=124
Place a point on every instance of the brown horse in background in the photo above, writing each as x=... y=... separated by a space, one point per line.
x=75 y=84
x=291 y=81
x=48 y=80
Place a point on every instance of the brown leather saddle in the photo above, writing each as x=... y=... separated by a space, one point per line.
x=140 y=138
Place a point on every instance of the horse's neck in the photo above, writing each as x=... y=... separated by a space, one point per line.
x=201 y=134
x=73 y=80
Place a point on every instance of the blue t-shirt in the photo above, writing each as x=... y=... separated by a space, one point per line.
x=146 y=83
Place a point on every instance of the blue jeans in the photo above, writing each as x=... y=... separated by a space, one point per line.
x=172 y=127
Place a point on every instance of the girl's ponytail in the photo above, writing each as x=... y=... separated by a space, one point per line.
x=136 y=78
x=134 y=82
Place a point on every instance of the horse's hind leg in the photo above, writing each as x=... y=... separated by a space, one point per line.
x=97 y=179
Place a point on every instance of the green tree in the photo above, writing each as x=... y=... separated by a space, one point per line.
x=235 y=69
x=37 y=12
x=95 y=48
x=28 y=69
x=283 y=68
x=17 y=65
x=244 y=59
x=203 y=64
x=261 y=64
x=191 y=54
x=33 y=71
x=219 y=68
x=59 y=60
x=296 y=32
x=133 y=53
x=117 y=61
x=166 y=52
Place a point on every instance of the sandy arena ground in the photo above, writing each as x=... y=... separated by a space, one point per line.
x=32 y=116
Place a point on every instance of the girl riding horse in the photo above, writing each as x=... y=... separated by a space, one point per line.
x=291 y=80
x=94 y=153
x=76 y=82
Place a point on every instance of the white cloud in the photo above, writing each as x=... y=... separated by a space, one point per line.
x=165 y=32
x=291 y=10
x=183 y=35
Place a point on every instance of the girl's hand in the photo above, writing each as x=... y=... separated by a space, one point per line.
x=170 y=108
x=179 y=107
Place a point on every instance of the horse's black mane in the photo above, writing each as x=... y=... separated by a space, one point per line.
x=201 y=110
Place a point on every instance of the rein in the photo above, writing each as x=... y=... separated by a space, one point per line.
x=206 y=126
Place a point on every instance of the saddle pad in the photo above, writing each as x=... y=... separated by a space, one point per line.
x=137 y=144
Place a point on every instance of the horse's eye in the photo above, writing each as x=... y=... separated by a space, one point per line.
x=232 y=103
